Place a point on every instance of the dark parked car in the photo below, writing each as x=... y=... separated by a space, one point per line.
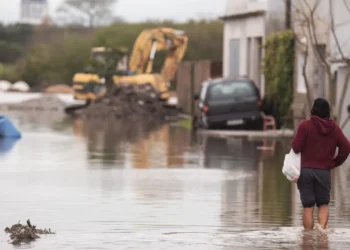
x=229 y=102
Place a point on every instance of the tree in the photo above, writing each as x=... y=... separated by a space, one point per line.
x=318 y=30
x=91 y=11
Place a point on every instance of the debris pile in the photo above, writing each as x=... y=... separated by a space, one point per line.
x=59 y=89
x=25 y=233
x=130 y=102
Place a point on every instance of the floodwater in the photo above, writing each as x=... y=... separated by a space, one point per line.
x=109 y=185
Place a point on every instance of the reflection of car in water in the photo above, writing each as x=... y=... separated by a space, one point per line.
x=231 y=153
x=229 y=102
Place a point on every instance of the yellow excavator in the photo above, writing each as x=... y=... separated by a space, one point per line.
x=90 y=86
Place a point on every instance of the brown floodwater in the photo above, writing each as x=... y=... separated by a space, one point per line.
x=113 y=185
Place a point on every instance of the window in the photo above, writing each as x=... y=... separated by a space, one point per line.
x=232 y=91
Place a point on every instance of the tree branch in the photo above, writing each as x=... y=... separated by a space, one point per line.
x=91 y=9
x=343 y=93
x=334 y=33
x=307 y=84
x=346 y=5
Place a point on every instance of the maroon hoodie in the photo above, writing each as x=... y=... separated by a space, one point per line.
x=317 y=140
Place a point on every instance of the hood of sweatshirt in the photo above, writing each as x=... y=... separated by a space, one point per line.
x=324 y=126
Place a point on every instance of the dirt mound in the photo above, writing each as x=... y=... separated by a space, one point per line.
x=59 y=89
x=25 y=233
x=129 y=101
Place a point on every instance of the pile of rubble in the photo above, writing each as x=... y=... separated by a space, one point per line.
x=130 y=102
x=25 y=233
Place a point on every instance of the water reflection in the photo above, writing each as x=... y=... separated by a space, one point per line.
x=138 y=145
x=231 y=153
x=162 y=185
x=7 y=144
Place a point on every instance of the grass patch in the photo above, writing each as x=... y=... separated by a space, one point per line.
x=185 y=123
x=63 y=125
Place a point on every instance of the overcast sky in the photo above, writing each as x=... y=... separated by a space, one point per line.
x=136 y=10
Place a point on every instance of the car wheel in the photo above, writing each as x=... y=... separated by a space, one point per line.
x=258 y=125
x=211 y=126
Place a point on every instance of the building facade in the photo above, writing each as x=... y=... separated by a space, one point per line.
x=34 y=11
x=321 y=45
x=247 y=23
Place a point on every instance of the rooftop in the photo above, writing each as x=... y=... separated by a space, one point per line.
x=244 y=8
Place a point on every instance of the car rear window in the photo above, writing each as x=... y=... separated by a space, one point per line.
x=231 y=91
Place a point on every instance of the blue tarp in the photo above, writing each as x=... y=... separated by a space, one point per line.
x=8 y=129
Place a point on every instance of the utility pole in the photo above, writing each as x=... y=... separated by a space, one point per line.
x=288 y=14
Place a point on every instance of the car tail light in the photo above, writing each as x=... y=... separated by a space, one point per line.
x=205 y=108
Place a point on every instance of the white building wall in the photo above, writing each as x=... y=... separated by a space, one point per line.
x=341 y=14
x=250 y=21
x=241 y=29
x=275 y=16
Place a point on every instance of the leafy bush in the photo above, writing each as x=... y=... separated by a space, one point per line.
x=9 y=73
x=56 y=63
x=9 y=52
x=279 y=71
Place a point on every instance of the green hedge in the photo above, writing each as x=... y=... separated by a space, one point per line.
x=278 y=68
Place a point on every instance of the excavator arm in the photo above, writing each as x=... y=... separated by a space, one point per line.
x=152 y=40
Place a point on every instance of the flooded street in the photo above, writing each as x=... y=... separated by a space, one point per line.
x=109 y=185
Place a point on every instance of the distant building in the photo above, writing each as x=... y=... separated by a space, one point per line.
x=247 y=23
x=34 y=11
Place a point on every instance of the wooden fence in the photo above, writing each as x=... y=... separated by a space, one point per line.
x=189 y=78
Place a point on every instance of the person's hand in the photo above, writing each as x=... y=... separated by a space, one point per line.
x=295 y=179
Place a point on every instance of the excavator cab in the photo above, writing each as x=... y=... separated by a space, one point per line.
x=91 y=84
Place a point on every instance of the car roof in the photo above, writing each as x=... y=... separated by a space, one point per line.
x=229 y=79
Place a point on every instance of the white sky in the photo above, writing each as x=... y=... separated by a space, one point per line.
x=136 y=10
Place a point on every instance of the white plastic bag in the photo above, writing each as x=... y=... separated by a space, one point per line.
x=291 y=166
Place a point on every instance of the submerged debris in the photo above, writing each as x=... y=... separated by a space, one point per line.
x=129 y=102
x=25 y=233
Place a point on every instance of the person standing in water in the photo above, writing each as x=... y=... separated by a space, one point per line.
x=317 y=139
